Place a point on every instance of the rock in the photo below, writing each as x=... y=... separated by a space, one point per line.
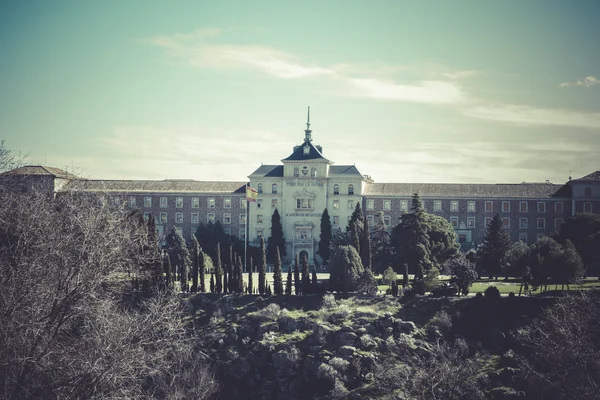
x=346 y=352
x=320 y=333
x=406 y=326
x=355 y=396
x=366 y=315
x=367 y=343
x=369 y=377
x=285 y=361
x=361 y=331
x=362 y=321
x=386 y=321
x=345 y=338
x=388 y=332
x=268 y=327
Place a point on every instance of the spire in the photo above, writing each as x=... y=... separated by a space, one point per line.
x=307 y=131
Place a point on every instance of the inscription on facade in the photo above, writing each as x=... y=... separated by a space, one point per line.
x=302 y=215
x=305 y=184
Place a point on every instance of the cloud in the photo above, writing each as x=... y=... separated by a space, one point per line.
x=432 y=92
x=531 y=116
x=460 y=74
x=587 y=82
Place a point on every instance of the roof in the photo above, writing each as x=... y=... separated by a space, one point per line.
x=344 y=170
x=593 y=177
x=269 y=171
x=539 y=190
x=298 y=153
x=148 y=186
x=38 y=170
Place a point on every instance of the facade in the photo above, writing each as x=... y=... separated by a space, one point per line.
x=306 y=182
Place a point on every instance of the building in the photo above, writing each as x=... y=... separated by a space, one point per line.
x=306 y=182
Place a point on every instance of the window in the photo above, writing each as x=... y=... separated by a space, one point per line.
x=506 y=206
x=273 y=203
x=437 y=205
x=541 y=223
x=227 y=202
x=163 y=218
x=587 y=207
x=116 y=201
x=522 y=223
x=558 y=207
x=163 y=202
x=523 y=206
x=304 y=203
x=489 y=206
x=195 y=202
x=179 y=218
x=370 y=220
x=259 y=219
x=336 y=204
x=336 y=220
x=587 y=192
x=313 y=172
x=506 y=222
x=541 y=206
x=470 y=222
x=274 y=188
x=370 y=205
x=242 y=219
x=242 y=234
x=195 y=218
x=260 y=188
x=523 y=237
x=210 y=217
x=404 y=205
x=259 y=234
x=387 y=220
x=146 y=216
x=462 y=238
x=387 y=205
x=487 y=221
x=226 y=218
x=211 y=202
x=132 y=201
x=350 y=205
x=178 y=202
x=454 y=206
x=336 y=189
x=296 y=172
x=259 y=203
x=557 y=223
x=148 y=202
x=306 y=149
x=243 y=203
x=454 y=222
x=227 y=231
x=350 y=189
x=471 y=206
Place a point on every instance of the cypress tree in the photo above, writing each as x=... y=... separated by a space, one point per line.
x=495 y=245
x=167 y=268
x=276 y=240
x=156 y=267
x=288 y=284
x=212 y=280
x=314 y=279
x=225 y=280
x=297 y=288
x=380 y=243
x=250 y=274
x=219 y=271
x=357 y=216
x=180 y=256
x=405 y=276
x=262 y=272
x=365 y=244
x=240 y=276
x=355 y=236
x=195 y=263
x=202 y=270
x=325 y=237
x=305 y=276
x=277 y=274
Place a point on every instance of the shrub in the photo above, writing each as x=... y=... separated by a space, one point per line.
x=479 y=295
x=270 y=312
x=432 y=279
x=345 y=269
x=492 y=293
x=329 y=301
x=444 y=290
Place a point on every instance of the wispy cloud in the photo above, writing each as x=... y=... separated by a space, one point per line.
x=460 y=74
x=432 y=92
x=588 y=82
x=527 y=115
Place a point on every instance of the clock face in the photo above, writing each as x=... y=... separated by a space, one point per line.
x=305 y=170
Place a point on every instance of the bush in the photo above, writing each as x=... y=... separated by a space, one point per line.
x=432 y=279
x=492 y=293
x=479 y=295
x=329 y=301
x=444 y=290
x=270 y=312
x=345 y=269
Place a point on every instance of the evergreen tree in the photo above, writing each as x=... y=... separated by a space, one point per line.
x=277 y=274
x=218 y=271
x=345 y=269
x=202 y=270
x=314 y=280
x=240 y=283
x=325 y=237
x=405 y=276
x=212 y=280
x=355 y=236
x=305 y=276
x=380 y=240
x=365 y=244
x=168 y=269
x=225 y=279
x=196 y=263
x=495 y=245
x=156 y=267
x=262 y=272
x=357 y=216
x=179 y=255
x=276 y=240
x=463 y=273
x=250 y=275
x=288 y=283
x=297 y=288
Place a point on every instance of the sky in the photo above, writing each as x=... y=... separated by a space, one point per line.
x=408 y=91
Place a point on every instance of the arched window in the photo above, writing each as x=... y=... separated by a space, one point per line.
x=260 y=188
x=313 y=172
x=588 y=192
x=336 y=189
x=296 y=172
x=350 y=189
x=274 y=188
